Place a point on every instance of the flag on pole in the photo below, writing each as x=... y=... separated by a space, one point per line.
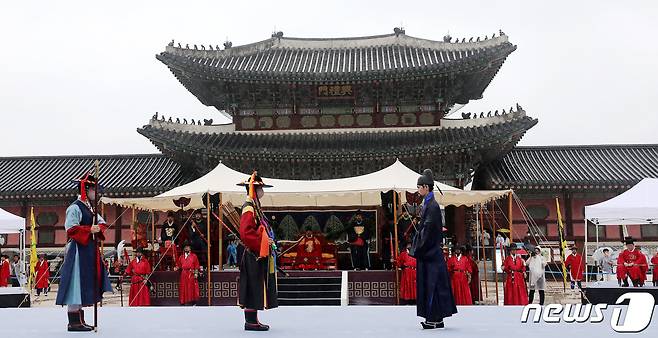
x=563 y=243
x=33 y=249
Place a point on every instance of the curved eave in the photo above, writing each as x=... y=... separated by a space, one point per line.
x=337 y=145
x=192 y=69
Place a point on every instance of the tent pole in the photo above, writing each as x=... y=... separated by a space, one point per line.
x=484 y=249
x=208 y=211
x=221 y=234
x=586 y=243
x=135 y=230
x=495 y=263
x=509 y=215
x=397 y=249
x=152 y=227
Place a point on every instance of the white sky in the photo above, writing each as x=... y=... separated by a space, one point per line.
x=78 y=77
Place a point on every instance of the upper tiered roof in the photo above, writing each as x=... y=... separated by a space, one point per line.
x=380 y=57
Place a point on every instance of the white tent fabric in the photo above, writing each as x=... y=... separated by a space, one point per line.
x=359 y=190
x=10 y=223
x=638 y=205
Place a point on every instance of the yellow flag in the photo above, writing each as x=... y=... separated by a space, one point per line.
x=33 y=249
x=563 y=242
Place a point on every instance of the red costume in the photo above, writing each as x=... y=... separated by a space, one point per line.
x=408 y=281
x=5 y=272
x=654 y=261
x=309 y=253
x=516 y=292
x=460 y=274
x=475 y=280
x=42 y=270
x=632 y=264
x=188 y=288
x=139 y=269
x=576 y=264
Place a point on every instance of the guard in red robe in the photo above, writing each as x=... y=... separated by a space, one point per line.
x=42 y=270
x=654 y=262
x=5 y=271
x=516 y=292
x=476 y=293
x=460 y=270
x=258 y=285
x=407 y=264
x=188 y=287
x=309 y=252
x=576 y=265
x=634 y=264
x=139 y=270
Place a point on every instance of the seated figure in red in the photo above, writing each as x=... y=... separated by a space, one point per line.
x=631 y=263
x=309 y=252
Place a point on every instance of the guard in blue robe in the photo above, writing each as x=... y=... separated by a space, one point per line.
x=434 y=299
x=84 y=276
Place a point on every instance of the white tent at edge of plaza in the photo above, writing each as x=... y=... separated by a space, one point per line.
x=351 y=191
x=10 y=223
x=636 y=206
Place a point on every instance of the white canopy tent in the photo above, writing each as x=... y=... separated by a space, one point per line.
x=358 y=190
x=12 y=224
x=638 y=205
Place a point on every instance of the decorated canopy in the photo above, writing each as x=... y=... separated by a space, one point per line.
x=359 y=190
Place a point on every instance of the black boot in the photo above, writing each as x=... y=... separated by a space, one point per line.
x=531 y=296
x=82 y=320
x=251 y=322
x=75 y=325
x=542 y=297
x=432 y=325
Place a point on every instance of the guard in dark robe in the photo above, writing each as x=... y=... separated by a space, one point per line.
x=405 y=228
x=196 y=233
x=168 y=239
x=434 y=299
x=83 y=275
x=388 y=244
x=358 y=236
x=257 y=285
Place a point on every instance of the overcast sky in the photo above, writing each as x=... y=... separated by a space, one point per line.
x=78 y=77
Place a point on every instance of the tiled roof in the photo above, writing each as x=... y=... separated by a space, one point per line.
x=335 y=144
x=121 y=175
x=571 y=167
x=394 y=56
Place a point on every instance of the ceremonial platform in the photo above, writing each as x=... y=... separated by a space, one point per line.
x=14 y=297
x=297 y=288
x=609 y=292
x=302 y=321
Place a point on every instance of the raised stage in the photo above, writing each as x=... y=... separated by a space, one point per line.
x=14 y=297
x=301 y=321
x=608 y=292
x=299 y=288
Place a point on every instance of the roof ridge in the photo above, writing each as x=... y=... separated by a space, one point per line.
x=588 y=146
x=104 y=156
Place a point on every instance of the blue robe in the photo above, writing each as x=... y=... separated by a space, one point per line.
x=78 y=283
x=434 y=299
